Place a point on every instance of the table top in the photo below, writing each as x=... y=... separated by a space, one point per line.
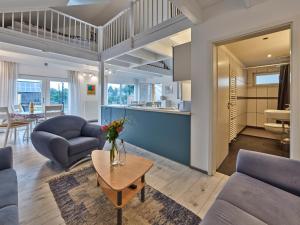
x=28 y=113
x=120 y=177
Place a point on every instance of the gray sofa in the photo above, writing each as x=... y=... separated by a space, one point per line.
x=264 y=190
x=8 y=189
x=67 y=139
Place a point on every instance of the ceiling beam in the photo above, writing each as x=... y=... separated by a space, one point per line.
x=130 y=59
x=191 y=9
x=145 y=54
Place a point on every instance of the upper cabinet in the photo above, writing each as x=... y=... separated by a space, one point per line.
x=182 y=62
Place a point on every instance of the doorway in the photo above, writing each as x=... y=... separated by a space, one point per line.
x=253 y=82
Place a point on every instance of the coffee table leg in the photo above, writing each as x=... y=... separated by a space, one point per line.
x=119 y=201
x=97 y=180
x=143 y=189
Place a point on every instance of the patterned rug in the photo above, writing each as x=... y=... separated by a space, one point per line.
x=81 y=202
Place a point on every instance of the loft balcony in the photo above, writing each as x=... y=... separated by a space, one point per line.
x=50 y=30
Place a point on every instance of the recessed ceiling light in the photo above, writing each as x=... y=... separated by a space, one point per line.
x=269 y=55
x=265 y=38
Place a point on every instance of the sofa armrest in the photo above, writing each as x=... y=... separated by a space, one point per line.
x=93 y=130
x=51 y=146
x=6 y=158
x=277 y=171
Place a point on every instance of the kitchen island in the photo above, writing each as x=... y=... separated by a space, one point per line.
x=165 y=132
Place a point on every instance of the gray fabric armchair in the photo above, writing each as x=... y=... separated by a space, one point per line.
x=67 y=139
x=264 y=190
x=8 y=189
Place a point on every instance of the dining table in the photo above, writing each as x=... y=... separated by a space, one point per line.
x=30 y=116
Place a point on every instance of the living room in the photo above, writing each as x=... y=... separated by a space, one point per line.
x=68 y=160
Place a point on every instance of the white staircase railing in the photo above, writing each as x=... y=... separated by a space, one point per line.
x=51 y=25
x=142 y=16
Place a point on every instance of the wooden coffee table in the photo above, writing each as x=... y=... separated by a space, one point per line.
x=115 y=181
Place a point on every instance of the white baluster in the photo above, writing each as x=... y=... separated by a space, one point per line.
x=45 y=24
x=80 y=34
x=3 y=17
x=85 y=39
x=57 y=29
x=64 y=29
x=13 y=21
x=89 y=36
x=75 y=33
x=37 y=23
x=21 y=22
x=29 y=22
x=69 y=29
x=51 y=28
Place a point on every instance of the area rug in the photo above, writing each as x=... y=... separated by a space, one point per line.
x=81 y=202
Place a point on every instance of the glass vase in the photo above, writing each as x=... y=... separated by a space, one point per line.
x=114 y=154
x=122 y=153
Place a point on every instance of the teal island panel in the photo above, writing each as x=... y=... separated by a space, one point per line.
x=166 y=134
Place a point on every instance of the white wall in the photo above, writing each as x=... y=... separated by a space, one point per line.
x=239 y=21
x=90 y=103
x=41 y=70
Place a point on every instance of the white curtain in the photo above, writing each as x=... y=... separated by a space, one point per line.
x=8 y=83
x=76 y=107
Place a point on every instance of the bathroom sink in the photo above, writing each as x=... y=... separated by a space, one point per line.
x=282 y=115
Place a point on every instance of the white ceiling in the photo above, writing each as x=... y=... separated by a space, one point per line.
x=97 y=14
x=255 y=51
x=207 y=3
x=165 y=46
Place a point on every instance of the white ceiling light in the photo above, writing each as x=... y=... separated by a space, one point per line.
x=269 y=55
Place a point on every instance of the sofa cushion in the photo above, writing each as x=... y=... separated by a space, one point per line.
x=64 y=126
x=9 y=215
x=268 y=203
x=81 y=144
x=8 y=188
x=224 y=213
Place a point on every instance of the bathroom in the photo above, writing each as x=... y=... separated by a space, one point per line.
x=253 y=83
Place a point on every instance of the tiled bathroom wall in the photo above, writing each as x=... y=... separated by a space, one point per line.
x=260 y=98
x=241 y=83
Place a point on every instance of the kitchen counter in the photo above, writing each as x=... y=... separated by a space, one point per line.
x=163 y=132
x=150 y=109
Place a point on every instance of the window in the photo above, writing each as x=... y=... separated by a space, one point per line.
x=59 y=94
x=29 y=91
x=267 y=79
x=120 y=93
x=150 y=92
x=158 y=92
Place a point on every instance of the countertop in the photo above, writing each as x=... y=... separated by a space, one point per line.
x=149 y=109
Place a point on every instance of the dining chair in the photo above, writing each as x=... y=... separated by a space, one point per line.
x=17 y=108
x=8 y=123
x=53 y=111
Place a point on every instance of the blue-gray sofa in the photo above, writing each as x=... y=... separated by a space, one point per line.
x=67 y=139
x=264 y=190
x=8 y=189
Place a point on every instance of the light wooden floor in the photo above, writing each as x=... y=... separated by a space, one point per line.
x=192 y=189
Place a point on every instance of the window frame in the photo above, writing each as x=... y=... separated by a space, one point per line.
x=264 y=74
x=46 y=86
x=119 y=92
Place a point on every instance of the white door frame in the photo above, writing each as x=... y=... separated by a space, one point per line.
x=264 y=30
